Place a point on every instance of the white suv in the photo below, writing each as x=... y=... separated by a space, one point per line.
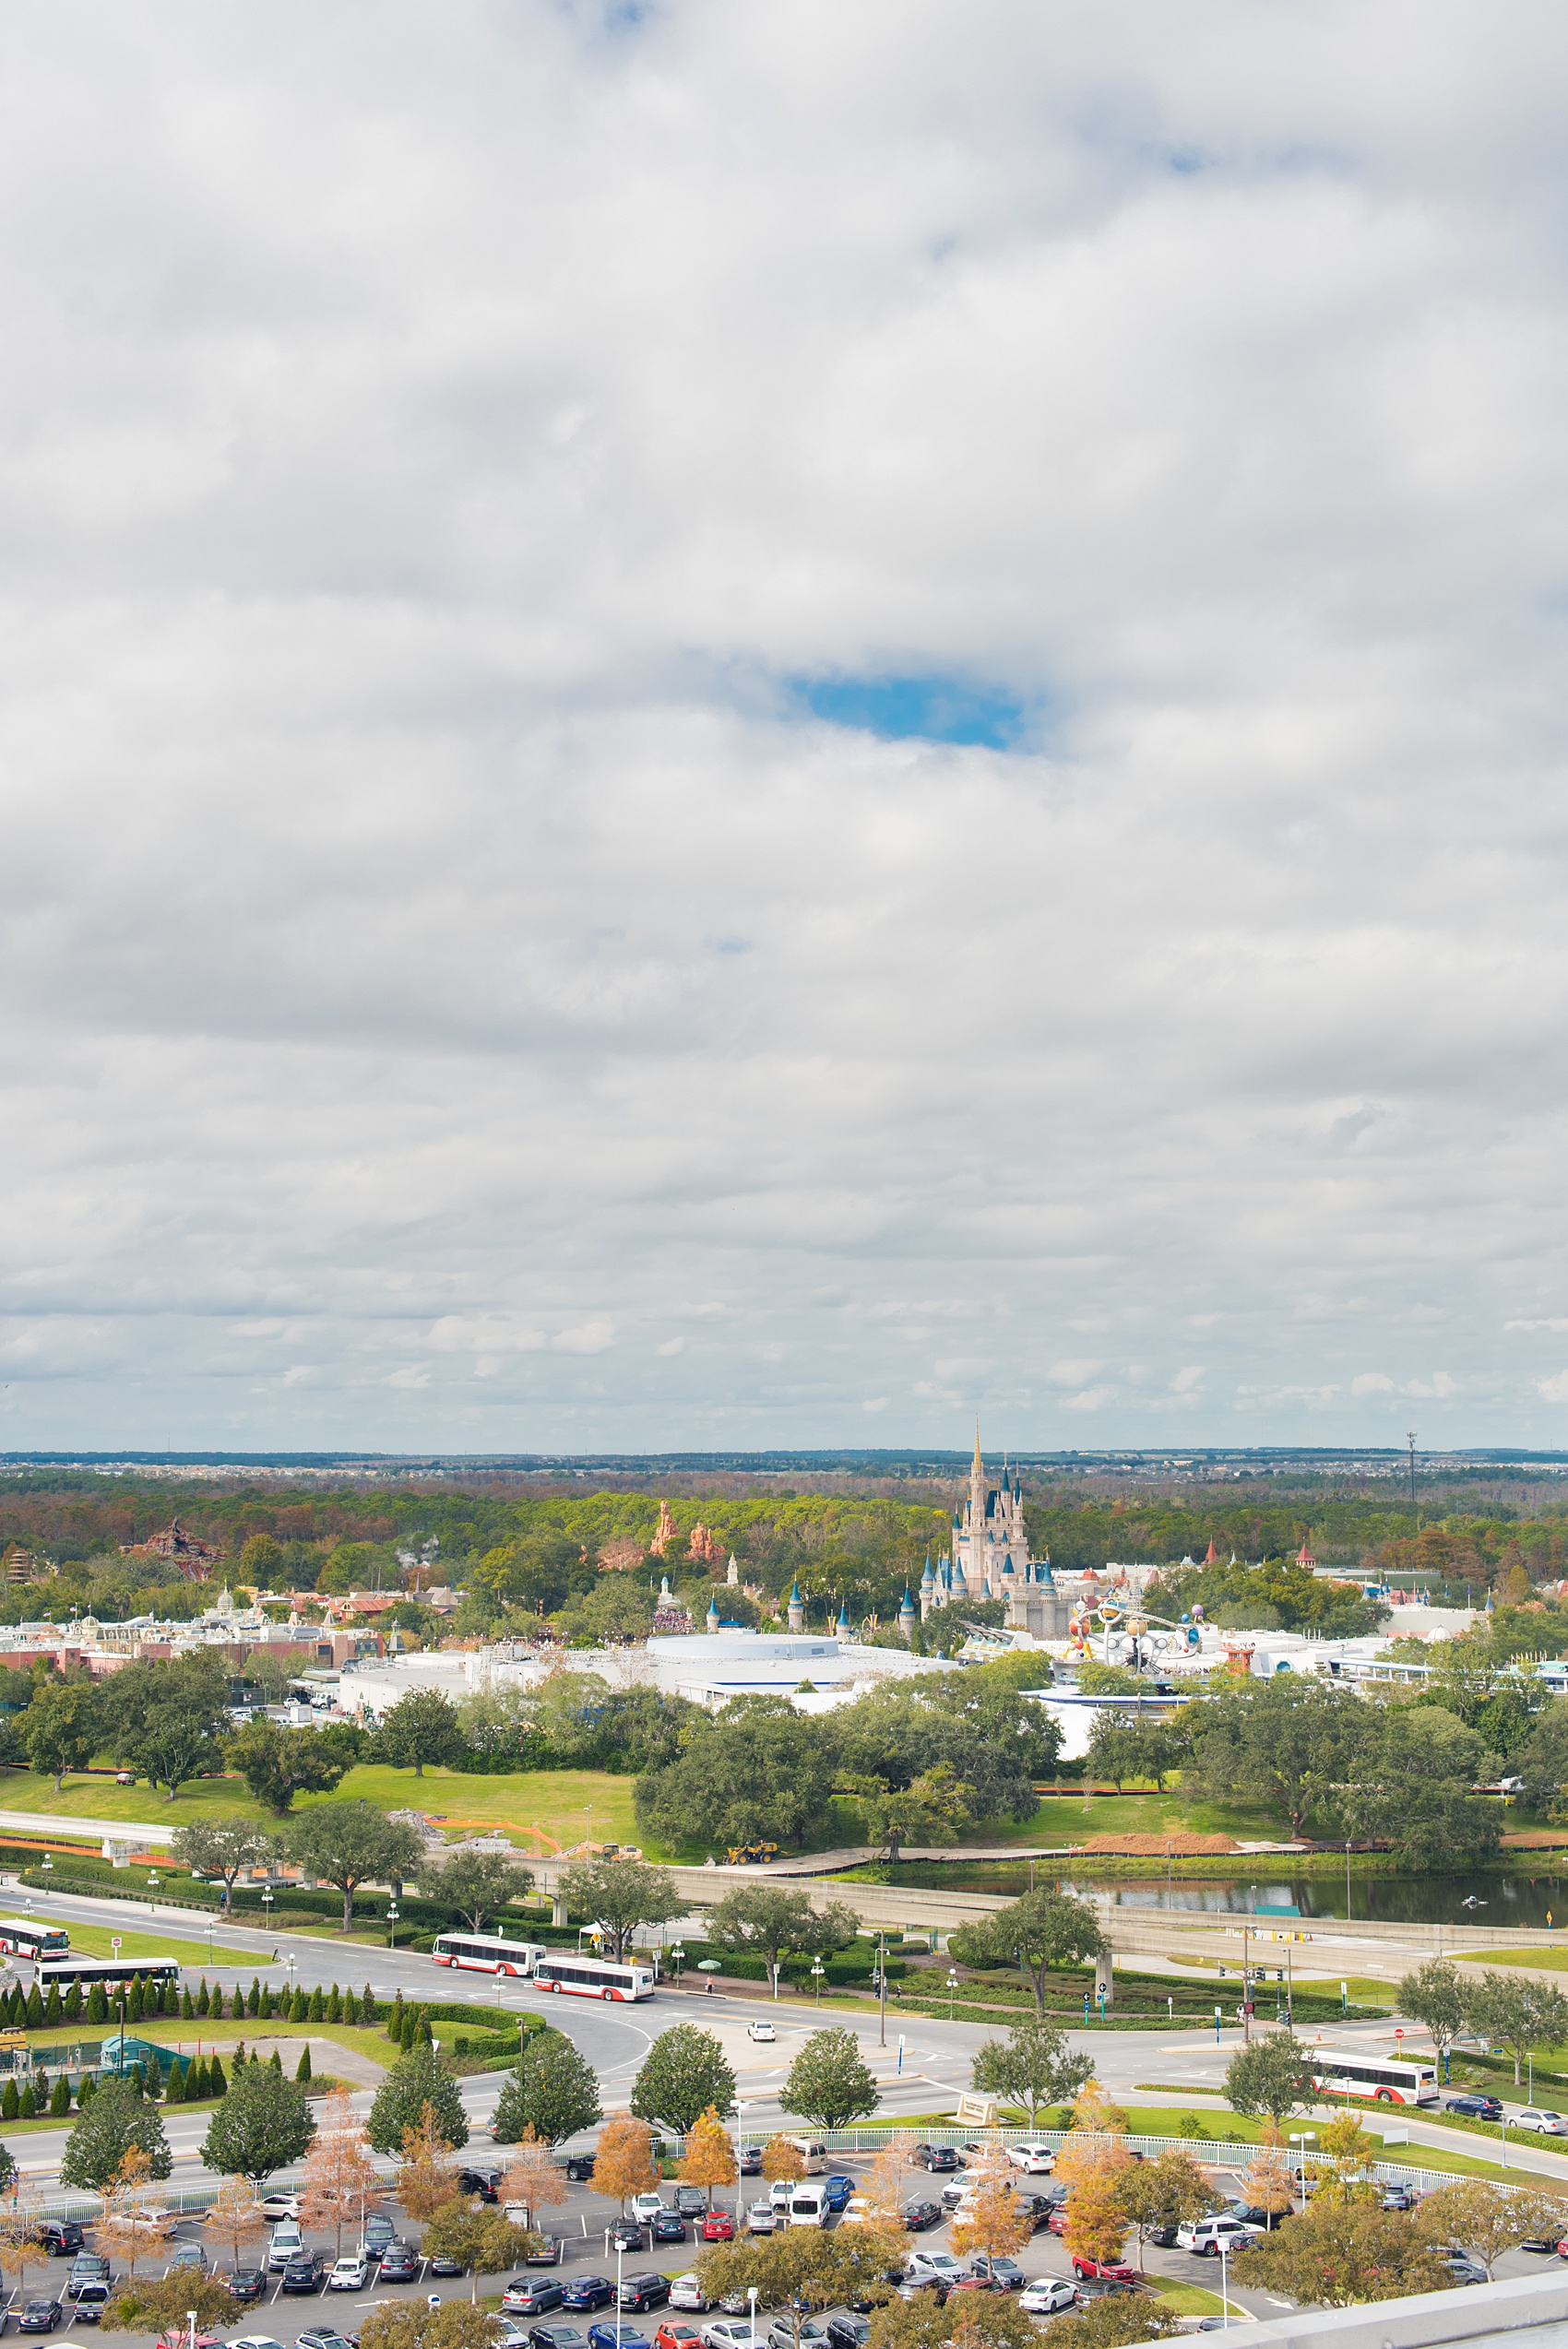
x=1038 y=2160
x=1204 y=2235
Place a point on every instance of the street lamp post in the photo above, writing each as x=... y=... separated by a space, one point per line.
x=951 y=1991
x=1224 y=2288
x=391 y=1924
x=882 y=1988
x=677 y=1958
x=818 y=1969
x=1303 y=2137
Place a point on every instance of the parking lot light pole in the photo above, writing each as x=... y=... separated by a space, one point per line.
x=750 y=2303
x=817 y=1970
x=1224 y=2287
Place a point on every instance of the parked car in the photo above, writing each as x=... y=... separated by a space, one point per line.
x=668 y=2227
x=690 y=2200
x=485 y=2183
x=305 y=2273
x=1047 y=2295
x=762 y=2219
x=761 y=2031
x=629 y=2234
x=726 y=2333
x=280 y=2206
x=941 y=2266
x=443 y=2264
x=1038 y=2160
x=1115 y=2270
x=937 y=2157
x=587 y=2292
x=287 y=2244
x=556 y=2336
x=1203 y=2236
x=647 y=2206
x=1106 y=2288
x=1545 y=2122
x=609 y=2334
x=91 y=2300
x=1461 y=2265
x=187 y=2255
x=248 y=2284
x=88 y=2267
x=686 y=2291
x=61 y=2237
x=320 y=2336
x=578 y=2169
x=781 y=2332
x=640 y=2292
x=399 y=2263
x=548 y=2255
x=838 y=2189
x=1545 y=2244
x=1475 y=2108
x=1007 y=2272
x=674 y=2334
x=848 y=2332
x=968 y=2283
x=377 y=2232
x=750 y=2161
x=40 y=2316
x=530 y=2295
x=1399 y=2198
x=918 y=2217
x=717 y=2226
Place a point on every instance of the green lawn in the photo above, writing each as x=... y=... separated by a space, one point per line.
x=1192 y=2301
x=556 y=1800
x=1070 y=1819
x=1550 y=1958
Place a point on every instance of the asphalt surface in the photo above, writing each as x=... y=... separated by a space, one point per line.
x=920 y=2064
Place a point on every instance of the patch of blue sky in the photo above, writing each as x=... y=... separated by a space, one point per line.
x=916 y=709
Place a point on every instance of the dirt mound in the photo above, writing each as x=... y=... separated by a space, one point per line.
x=1181 y=1845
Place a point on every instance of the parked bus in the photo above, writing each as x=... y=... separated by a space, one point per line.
x=18 y=1940
x=488 y=1952
x=1387 y=2080
x=593 y=1977
x=110 y=1971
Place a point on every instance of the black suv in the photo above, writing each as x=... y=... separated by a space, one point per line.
x=61 y=2237
x=937 y=2157
x=640 y=2292
x=483 y=2182
x=399 y=2264
x=248 y=2284
x=307 y=2273
x=691 y=2201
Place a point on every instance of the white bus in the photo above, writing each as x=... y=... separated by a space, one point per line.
x=593 y=1977
x=109 y=1971
x=1387 y=2080
x=488 y=1952
x=18 y=1940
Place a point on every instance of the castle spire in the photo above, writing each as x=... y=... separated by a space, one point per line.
x=977 y=1471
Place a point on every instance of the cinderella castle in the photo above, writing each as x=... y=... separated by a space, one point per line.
x=991 y=1560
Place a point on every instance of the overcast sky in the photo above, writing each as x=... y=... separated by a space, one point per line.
x=740 y=723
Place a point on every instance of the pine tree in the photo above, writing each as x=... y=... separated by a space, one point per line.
x=34 y=2010
x=301 y=2071
x=27 y=2107
x=253 y=2004
x=176 y=2090
x=204 y=2079
x=17 y=2009
x=86 y=2093
x=133 y=2004
x=96 y=2004
x=277 y=2063
x=74 y=2003
x=266 y=2009
x=395 y=2021
x=335 y=2005
x=299 y=2007
x=420 y=2035
x=368 y=2011
x=188 y=2005
x=60 y=2098
x=10 y=2102
x=152 y=1999
x=316 y=2007
x=204 y=1998
x=54 y=2007
x=217 y=2085
x=40 y=2092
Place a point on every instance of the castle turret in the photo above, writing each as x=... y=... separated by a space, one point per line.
x=843 y=1628
x=797 y=1615
x=906 y=1612
x=713 y=1612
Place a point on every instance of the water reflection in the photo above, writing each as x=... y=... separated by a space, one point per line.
x=1509 y=1902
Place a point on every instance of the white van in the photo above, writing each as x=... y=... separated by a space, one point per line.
x=815 y=2157
x=808 y=2205
x=287 y=2244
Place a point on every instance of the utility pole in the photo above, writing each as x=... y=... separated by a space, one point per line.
x=1411 y=1441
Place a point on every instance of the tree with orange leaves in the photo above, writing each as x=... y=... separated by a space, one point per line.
x=426 y=2180
x=341 y=2180
x=710 y=2158
x=782 y=2158
x=533 y=2178
x=991 y=2221
x=623 y=2163
x=235 y=2218
x=21 y=2244
x=121 y=2233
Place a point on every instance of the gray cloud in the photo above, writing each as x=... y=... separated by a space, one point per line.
x=438 y=451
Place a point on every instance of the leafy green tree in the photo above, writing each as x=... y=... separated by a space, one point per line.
x=770 y=1919
x=932 y=1809
x=221 y=1847
x=277 y=1763
x=1542 y=1760
x=829 y=2083
x=553 y=2090
x=421 y=1727
x=1162 y=2193
x=350 y=1843
x=262 y=2125
x=117 y=2121
x=478 y=1884
x=683 y=2073
x=1273 y=2076
x=1437 y=1825
x=1033 y=2066
x=1285 y=1744
x=1037 y=1931
x=61 y=1728
x=166 y=1716
x=415 y=2081
x=1489 y=2220
x=760 y=1769
x=483 y=2242
x=1522 y=2014
x=621 y=1894
x=161 y=2305
x=1110 y=2324
x=1342 y=2251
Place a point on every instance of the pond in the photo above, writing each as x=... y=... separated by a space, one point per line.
x=1507 y=1901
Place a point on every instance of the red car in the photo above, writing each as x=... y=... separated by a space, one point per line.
x=1057 y=2223
x=1112 y=2271
x=671 y=2335
x=719 y=2227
